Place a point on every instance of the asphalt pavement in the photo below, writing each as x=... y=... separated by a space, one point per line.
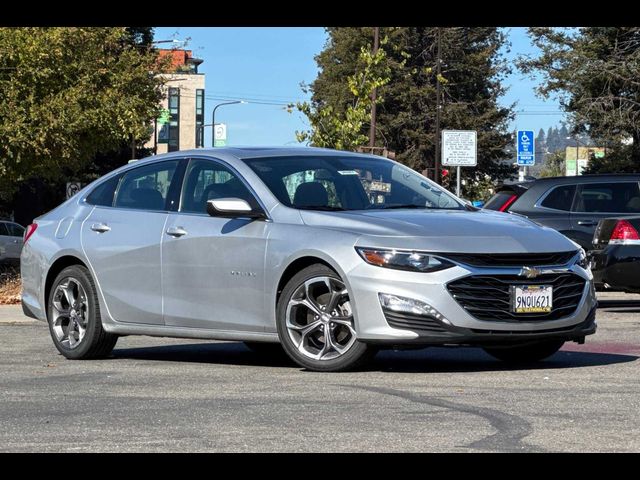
x=173 y=395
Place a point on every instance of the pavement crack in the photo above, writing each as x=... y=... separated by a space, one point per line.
x=510 y=429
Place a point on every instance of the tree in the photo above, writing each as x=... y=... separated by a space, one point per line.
x=344 y=130
x=67 y=94
x=595 y=74
x=472 y=69
x=554 y=165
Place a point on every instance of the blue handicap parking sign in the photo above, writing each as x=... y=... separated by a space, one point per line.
x=526 y=148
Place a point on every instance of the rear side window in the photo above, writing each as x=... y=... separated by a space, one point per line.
x=102 y=195
x=500 y=200
x=15 y=230
x=3 y=229
x=146 y=188
x=560 y=198
x=623 y=197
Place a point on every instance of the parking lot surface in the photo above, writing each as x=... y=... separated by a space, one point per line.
x=173 y=395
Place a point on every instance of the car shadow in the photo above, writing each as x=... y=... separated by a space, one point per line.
x=433 y=359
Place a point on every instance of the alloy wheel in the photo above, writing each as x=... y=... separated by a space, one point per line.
x=319 y=319
x=70 y=312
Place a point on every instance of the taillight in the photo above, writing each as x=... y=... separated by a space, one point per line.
x=624 y=234
x=29 y=231
x=508 y=203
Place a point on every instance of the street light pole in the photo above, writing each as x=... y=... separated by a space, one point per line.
x=213 y=119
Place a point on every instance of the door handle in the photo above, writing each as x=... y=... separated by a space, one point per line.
x=100 y=227
x=16 y=241
x=587 y=223
x=176 y=231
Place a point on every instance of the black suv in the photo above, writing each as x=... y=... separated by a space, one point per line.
x=571 y=205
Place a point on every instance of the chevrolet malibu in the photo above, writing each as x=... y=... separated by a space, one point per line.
x=332 y=255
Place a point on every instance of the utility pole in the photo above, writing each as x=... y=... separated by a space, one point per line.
x=372 y=128
x=436 y=173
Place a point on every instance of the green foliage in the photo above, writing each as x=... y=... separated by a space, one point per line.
x=67 y=94
x=616 y=160
x=344 y=130
x=594 y=73
x=472 y=70
x=554 y=165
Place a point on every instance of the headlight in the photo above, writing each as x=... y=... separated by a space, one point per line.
x=403 y=260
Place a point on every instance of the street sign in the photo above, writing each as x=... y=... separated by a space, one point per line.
x=73 y=188
x=220 y=132
x=459 y=148
x=526 y=148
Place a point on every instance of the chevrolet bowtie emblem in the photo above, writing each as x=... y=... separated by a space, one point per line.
x=529 y=272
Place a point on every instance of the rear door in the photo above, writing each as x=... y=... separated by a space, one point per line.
x=596 y=201
x=14 y=240
x=121 y=239
x=553 y=208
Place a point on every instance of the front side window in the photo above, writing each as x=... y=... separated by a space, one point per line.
x=560 y=198
x=4 y=231
x=349 y=183
x=207 y=180
x=623 y=197
x=146 y=188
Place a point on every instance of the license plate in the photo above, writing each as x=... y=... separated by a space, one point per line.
x=531 y=298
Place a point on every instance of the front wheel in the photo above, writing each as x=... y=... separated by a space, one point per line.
x=531 y=352
x=315 y=322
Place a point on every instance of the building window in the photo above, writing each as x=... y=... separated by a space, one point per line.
x=174 y=119
x=199 y=118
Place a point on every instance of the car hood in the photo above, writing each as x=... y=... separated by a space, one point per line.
x=479 y=231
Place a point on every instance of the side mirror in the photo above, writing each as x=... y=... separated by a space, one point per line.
x=232 y=208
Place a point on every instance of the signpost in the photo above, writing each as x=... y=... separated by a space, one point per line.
x=459 y=149
x=73 y=188
x=526 y=148
x=163 y=122
x=220 y=131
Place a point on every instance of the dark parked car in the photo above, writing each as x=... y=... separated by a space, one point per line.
x=571 y=205
x=616 y=261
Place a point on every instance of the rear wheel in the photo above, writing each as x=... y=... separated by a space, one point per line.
x=531 y=352
x=74 y=316
x=315 y=322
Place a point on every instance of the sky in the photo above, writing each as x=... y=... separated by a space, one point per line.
x=265 y=66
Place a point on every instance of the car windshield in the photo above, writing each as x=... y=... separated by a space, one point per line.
x=336 y=183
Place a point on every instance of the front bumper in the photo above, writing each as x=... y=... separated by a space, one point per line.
x=455 y=325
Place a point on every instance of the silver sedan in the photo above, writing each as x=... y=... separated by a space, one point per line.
x=328 y=255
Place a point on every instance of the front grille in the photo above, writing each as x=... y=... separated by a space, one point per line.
x=511 y=259
x=413 y=322
x=488 y=297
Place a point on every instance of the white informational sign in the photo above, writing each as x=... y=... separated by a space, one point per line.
x=73 y=188
x=459 y=148
x=220 y=132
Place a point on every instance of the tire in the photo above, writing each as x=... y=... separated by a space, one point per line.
x=529 y=353
x=267 y=349
x=310 y=350
x=80 y=288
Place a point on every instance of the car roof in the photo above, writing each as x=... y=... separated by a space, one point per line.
x=591 y=178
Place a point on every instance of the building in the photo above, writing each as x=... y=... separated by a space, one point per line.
x=577 y=158
x=180 y=127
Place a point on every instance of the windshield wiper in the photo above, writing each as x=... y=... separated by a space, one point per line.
x=408 y=205
x=323 y=208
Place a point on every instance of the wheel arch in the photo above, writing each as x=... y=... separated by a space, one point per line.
x=298 y=265
x=56 y=267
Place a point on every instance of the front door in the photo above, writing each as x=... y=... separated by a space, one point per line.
x=122 y=243
x=213 y=268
